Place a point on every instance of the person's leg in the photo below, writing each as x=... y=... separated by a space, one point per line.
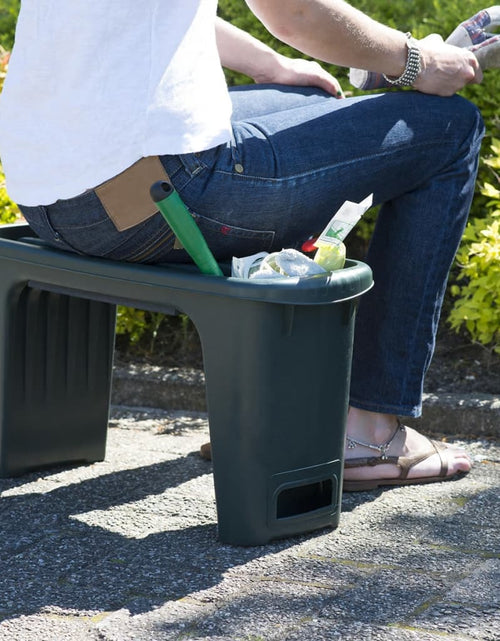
x=410 y=259
x=381 y=451
x=415 y=240
x=253 y=101
x=418 y=155
x=288 y=171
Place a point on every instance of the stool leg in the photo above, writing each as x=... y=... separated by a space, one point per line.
x=277 y=384
x=55 y=379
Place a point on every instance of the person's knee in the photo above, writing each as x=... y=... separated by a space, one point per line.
x=470 y=116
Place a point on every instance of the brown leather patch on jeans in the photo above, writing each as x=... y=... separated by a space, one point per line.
x=126 y=197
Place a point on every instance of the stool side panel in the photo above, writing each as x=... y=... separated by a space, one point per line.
x=56 y=379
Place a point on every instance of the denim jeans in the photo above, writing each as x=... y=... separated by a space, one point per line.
x=296 y=155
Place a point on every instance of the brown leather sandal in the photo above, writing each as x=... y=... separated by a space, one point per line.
x=405 y=464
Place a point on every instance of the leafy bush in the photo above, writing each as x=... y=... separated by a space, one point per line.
x=8 y=210
x=477 y=289
x=8 y=17
x=173 y=340
x=132 y=322
x=474 y=292
x=4 y=63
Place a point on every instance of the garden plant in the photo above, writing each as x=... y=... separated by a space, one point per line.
x=473 y=297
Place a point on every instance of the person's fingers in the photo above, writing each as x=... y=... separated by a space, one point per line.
x=331 y=85
x=324 y=80
x=476 y=68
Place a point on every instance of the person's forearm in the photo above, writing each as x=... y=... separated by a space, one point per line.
x=335 y=32
x=242 y=52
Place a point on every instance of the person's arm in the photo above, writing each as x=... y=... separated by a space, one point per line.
x=242 y=52
x=335 y=32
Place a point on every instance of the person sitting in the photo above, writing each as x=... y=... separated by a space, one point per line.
x=139 y=86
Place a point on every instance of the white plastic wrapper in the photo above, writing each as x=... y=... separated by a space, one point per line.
x=284 y=264
x=291 y=263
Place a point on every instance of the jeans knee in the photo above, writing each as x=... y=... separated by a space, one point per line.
x=471 y=118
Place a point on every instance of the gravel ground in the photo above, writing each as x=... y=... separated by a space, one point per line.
x=127 y=550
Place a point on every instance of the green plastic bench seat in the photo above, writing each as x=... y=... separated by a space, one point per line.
x=277 y=366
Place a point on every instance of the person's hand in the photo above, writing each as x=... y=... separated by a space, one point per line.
x=445 y=69
x=299 y=72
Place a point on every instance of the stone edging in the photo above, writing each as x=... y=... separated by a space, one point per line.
x=476 y=415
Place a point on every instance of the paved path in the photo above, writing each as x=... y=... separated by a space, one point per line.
x=126 y=550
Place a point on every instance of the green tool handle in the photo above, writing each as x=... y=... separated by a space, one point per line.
x=184 y=227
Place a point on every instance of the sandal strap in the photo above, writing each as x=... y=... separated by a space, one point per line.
x=371 y=461
x=405 y=463
x=382 y=447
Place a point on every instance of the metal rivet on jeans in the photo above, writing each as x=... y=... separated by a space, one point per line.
x=238 y=168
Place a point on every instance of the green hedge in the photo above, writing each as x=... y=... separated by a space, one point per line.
x=8 y=210
x=474 y=286
x=477 y=287
x=8 y=16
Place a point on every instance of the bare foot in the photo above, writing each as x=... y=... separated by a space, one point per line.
x=397 y=455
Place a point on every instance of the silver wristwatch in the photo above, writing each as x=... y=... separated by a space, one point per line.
x=413 y=65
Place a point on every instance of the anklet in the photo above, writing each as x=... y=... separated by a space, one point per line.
x=382 y=448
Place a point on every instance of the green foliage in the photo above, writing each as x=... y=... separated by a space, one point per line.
x=131 y=322
x=8 y=16
x=9 y=212
x=141 y=333
x=139 y=326
x=4 y=64
x=477 y=290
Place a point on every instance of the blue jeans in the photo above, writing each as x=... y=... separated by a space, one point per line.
x=296 y=155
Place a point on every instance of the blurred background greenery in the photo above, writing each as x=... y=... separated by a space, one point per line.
x=472 y=304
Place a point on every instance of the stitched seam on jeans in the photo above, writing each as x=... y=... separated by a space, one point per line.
x=84 y=227
x=325 y=168
x=159 y=241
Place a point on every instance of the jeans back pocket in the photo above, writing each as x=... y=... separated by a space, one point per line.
x=227 y=241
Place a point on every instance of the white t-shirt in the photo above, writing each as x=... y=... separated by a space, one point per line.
x=95 y=85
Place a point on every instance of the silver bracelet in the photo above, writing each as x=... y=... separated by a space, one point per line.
x=413 y=65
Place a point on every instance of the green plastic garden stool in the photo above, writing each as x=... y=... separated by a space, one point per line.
x=277 y=358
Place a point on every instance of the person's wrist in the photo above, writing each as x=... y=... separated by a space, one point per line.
x=266 y=66
x=413 y=65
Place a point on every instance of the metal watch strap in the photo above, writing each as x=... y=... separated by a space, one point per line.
x=413 y=65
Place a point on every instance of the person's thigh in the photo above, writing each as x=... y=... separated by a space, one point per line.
x=288 y=169
x=296 y=155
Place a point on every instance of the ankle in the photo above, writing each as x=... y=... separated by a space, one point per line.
x=372 y=427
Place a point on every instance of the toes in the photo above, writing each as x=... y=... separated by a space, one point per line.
x=458 y=461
